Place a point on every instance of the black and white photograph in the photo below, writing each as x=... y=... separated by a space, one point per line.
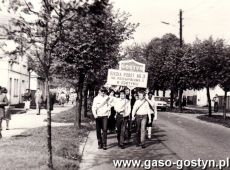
x=114 y=85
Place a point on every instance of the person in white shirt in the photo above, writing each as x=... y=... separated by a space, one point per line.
x=122 y=107
x=153 y=111
x=101 y=111
x=141 y=111
x=38 y=100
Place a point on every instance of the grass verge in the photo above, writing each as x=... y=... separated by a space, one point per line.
x=68 y=116
x=217 y=119
x=29 y=149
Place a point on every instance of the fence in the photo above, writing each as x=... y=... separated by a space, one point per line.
x=221 y=102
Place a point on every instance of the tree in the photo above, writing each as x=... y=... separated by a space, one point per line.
x=38 y=38
x=162 y=66
x=224 y=76
x=136 y=52
x=209 y=63
x=91 y=43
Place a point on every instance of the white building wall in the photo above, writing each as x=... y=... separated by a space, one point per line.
x=202 y=94
x=14 y=76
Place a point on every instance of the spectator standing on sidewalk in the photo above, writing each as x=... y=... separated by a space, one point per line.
x=141 y=111
x=101 y=111
x=62 y=98
x=7 y=116
x=122 y=107
x=27 y=99
x=153 y=111
x=216 y=103
x=38 y=101
x=3 y=103
x=73 y=97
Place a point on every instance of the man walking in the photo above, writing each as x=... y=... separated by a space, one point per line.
x=38 y=101
x=101 y=112
x=123 y=108
x=141 y=111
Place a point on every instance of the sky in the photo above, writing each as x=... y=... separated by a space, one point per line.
x=201 y=18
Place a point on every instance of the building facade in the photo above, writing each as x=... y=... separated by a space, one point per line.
x=14 y=76
x=199 y=97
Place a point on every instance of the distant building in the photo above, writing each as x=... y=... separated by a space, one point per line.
x=199 y=97
x=14 y=73
x=36 y=82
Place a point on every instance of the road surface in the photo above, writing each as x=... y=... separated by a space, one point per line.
x=175 y=137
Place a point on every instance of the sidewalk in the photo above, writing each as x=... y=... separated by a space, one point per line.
x=22 y=122
x=99 y=159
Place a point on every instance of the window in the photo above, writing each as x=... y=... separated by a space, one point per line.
x=15 y=87
x=10 y=88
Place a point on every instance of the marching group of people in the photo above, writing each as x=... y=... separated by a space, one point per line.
x=120 y=111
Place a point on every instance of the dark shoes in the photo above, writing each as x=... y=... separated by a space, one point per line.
x=38 y=113
x=122 y=146
x=101 y=146
x=143 y=146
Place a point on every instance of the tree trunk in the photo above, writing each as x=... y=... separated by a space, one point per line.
x=85 y=100
x=180 y=99
x=163 y=93
x=209 y=102
x=157 y=92
x=49 y=131
x=77 y=122
x=225 y=103
x=171 y=98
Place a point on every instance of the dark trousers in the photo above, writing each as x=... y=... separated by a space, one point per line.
x=101 y=128
x=129 y=127
x=141 y=121
x=216 y=107
x=121 y=125
x=1 y=124
x=112 y=120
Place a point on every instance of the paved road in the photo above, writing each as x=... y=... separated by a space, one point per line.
x=22 y=122
x=175 y=136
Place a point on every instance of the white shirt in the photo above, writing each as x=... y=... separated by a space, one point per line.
x=143 y=109
x=101 y=106
x=122 y=106
x=154 y=106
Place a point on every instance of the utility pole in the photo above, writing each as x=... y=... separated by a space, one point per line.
x=181 y=28
x=181 y=45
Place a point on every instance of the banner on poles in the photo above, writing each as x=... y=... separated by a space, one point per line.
x=127 y=78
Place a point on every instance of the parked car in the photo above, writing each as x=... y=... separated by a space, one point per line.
x=161 y=103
